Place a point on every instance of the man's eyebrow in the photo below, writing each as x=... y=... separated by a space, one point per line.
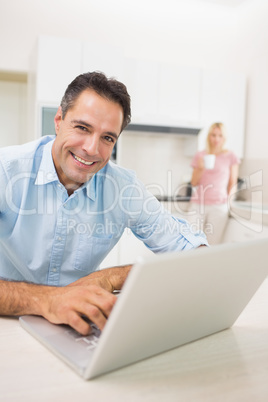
x=84 y=123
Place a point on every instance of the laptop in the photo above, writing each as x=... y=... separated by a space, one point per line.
x=167 y=301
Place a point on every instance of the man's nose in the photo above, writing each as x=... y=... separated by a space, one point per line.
x=91 y=145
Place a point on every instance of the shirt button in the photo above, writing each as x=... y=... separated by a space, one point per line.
x=59 y=238
x=54 y=269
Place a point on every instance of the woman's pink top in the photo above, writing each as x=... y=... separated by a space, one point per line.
x=212 y=188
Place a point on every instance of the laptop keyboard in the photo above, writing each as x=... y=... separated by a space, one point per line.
x=89 y=341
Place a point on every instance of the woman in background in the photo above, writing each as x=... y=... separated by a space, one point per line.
x=213 y=182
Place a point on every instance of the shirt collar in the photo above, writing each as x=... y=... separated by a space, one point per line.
x=47 y=173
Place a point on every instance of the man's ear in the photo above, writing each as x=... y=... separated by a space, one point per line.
x=58 y=119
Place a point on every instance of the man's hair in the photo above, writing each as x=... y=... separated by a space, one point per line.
x=108 y=88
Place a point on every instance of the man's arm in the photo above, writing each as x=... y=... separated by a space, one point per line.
x=90 y=296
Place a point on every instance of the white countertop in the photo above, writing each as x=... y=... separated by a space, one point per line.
x=255 y=211
x=229 y=366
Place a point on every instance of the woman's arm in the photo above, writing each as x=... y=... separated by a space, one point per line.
x=233 y=179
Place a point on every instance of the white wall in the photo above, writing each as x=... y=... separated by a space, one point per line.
x=13 y=112
x=190 y=32
x=158 y=159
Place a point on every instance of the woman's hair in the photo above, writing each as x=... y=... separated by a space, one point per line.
x=108 y=88
x=211 y=128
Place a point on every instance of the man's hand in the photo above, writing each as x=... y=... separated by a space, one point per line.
x=109 y=279
x=69 y=304
x=90 y=296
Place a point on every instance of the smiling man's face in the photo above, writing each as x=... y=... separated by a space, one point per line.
x=85 y=138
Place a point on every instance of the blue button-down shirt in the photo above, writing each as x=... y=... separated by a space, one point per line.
x=51 y=238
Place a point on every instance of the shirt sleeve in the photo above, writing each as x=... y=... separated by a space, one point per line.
x=3 y=186
x=159 y=230
x=234 y=160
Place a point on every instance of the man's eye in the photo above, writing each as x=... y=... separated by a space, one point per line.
x=109 y=139
x=82 y=128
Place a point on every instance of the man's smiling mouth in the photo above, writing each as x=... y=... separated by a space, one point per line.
x=87 y=163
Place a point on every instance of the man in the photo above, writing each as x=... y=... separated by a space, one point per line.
x=65 y=206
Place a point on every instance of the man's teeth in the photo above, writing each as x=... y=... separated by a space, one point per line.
x=82 y=160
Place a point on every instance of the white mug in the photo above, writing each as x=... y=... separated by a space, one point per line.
x=209 y=161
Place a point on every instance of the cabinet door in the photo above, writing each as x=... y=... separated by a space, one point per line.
x=243 y=231
x=163 y=94
x=141 y=79
x=99 y=57
x=179 y=94
x=13 y=97
x=223 y=100
x=58 y=63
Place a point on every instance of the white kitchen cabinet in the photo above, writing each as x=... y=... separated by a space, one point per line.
x=58 y=63
x=99 y=57
x=243 y=230
x=55 y=62
x=223 y=98
x=163 y=94
x=179 y=95
x=13 y=96
x=171 y=95
x=141 y=79
x=60 y=60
